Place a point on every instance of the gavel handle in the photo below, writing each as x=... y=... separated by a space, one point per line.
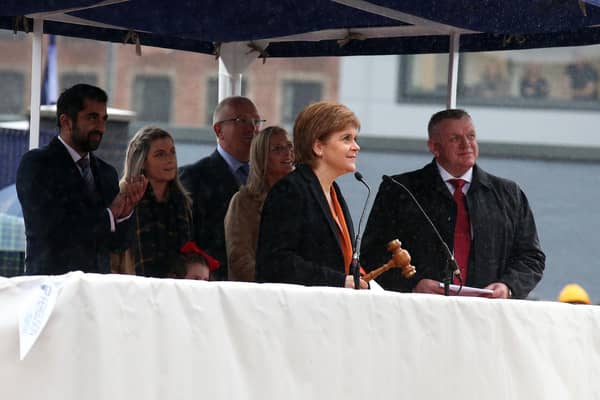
x=378 y=271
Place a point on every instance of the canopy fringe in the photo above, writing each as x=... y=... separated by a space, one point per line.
x=24 y=21
x=133 y=38
x=350 y=36
x=217 y=50
x=262 y=52
x=508 y=39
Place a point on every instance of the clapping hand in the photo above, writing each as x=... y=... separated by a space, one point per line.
x=132 y=191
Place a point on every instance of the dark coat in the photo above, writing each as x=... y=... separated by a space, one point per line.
x=505 y=245
x=298 y=240
x=211 y=184
x=67 y=228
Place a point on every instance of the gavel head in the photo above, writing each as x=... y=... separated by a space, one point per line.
x=401 y=258
x=399 y=255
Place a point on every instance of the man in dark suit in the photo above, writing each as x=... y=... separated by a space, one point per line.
x=214 y=180
x=485 y=219
x=74 y=214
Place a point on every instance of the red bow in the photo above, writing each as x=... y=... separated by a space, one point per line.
x=192 y=247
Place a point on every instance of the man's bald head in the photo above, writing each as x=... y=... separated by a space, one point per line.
x=235 y=122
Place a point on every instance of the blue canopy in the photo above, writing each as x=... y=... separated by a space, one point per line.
x=318 y=27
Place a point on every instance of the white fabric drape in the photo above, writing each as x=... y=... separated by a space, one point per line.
x=124 y=337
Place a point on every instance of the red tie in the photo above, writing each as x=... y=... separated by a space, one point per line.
x=462 y=231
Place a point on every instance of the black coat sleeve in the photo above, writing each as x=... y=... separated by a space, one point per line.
x=526 y=260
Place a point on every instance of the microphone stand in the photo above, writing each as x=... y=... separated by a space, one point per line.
x=355 y=264
x=451 y=267
x=448 y=272
x=355 y=270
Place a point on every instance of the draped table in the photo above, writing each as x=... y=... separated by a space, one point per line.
x=127 y=337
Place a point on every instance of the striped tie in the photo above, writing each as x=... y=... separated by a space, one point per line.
x=86 y=174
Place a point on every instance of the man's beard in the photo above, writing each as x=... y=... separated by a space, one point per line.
x=82 y=142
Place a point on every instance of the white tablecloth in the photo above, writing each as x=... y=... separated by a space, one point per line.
x=121 y=337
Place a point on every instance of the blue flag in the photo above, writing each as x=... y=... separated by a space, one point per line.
x=50 y=82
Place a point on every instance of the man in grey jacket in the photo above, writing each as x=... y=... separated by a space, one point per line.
x=485 y=220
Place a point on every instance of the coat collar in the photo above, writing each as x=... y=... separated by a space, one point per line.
x=220 y=164
x=58 y=146
x=480 y=178
x=432 y=174
x=307 y=174
x=66 y=160
x=68 y=164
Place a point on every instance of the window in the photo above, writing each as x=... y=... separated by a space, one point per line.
x=212 y=97
x=68 y=79
x=557 y=78
x=152 y=98
x=6 y=34
x=425 y=77
x=13 y=92
x=296 y=96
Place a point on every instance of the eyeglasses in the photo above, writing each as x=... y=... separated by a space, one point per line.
x=255 y=123
x=282 y=149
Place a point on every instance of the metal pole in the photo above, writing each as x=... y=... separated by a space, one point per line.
x=110 y=69
x=234 y=60
x=230 y=84
x=36 y=83
x=453 y=70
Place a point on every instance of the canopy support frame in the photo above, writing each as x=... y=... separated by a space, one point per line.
x=36 y=83
x=234 y=60
x=453 y=59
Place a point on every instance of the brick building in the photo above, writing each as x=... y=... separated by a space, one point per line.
x=174 y=88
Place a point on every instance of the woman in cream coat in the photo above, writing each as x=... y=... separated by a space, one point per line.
x=271 y=158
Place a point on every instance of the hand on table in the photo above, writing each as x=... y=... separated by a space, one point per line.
x=428 y=286
x=350 y=283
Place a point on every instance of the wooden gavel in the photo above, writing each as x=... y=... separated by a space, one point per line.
x=400 y=259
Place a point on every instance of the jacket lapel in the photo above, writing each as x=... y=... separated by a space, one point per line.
x=98 y=179
x=317 y=193
x=346 y=212
x=434 y=178
x=227 y=176
x=72 y=174
x=65 y=163
x=480 y=179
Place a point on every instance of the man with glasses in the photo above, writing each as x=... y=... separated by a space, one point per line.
x=213 y=180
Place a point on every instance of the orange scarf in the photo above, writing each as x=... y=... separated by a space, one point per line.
x=343 y=234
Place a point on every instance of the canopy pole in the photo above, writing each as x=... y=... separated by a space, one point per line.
x=453 y=70
x=230 y=84
x=36 y=83
x=235 y=58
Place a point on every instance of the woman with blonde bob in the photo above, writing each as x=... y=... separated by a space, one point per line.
x=271 y=158
x=306 y=230
x=163 y=217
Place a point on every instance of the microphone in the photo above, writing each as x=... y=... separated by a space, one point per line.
x=451 y=259
x=354 y=267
